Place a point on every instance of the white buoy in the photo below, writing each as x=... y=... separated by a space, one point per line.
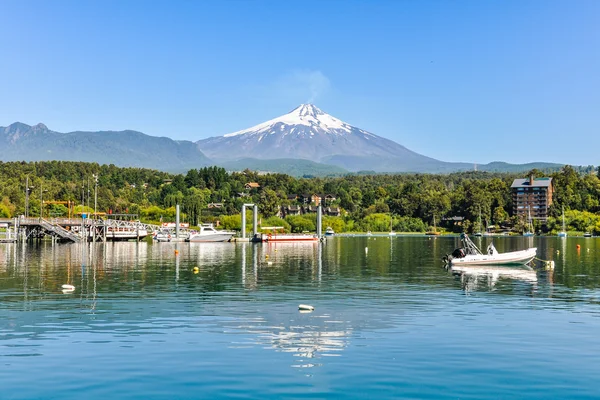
x=68 y=287
x=366 y=249
x=305 y=307
x=270 y=263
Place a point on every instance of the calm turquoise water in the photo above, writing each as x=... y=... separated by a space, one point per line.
x=389 y=322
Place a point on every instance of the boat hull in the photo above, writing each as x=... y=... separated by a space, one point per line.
x=512 y=258
x=289 y=238
x=121 y=234
x=212 y=237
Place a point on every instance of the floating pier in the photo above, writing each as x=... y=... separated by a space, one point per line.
x=76 y=229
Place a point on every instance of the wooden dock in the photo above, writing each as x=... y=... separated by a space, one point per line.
x=75 y=229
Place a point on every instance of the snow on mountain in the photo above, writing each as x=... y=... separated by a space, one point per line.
x=305 y=115
x=309 y=133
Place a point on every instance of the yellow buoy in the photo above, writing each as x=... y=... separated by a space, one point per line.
x=267 y=256
x=196 y=270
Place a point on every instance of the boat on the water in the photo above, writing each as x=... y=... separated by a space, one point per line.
x=162 y=235
x=329 y=231
x=392 y=233
x=563 y=233
x=434 y=232
x=208 y=233
x=288 y=237
x=122 y=233
x=469 y=254
x=276 y=234
x=529 y=231
x=587 y=234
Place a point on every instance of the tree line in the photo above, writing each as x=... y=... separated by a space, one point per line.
x=377 y=202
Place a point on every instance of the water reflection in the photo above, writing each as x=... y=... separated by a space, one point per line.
x=222 y=320
x=268 y=281
x=473 y=278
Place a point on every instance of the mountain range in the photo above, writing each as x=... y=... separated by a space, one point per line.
x=21 y=142
x=304 y=141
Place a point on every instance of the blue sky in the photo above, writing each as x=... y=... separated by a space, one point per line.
x=473 y=81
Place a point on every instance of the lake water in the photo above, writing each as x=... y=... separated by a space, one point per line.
x=389 y=321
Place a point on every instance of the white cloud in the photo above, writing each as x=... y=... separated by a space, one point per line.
x=301 y=86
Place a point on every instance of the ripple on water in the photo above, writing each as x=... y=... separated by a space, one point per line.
x=388 y=324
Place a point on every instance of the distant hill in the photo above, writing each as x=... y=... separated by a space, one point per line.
x=21 y=142
x=499 y=166
x=289 y=166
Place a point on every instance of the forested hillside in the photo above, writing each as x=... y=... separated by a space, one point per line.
x=367 y=202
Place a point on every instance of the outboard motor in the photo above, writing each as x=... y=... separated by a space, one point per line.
x=458 y=253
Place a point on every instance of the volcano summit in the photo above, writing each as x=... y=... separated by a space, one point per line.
x=309 y=133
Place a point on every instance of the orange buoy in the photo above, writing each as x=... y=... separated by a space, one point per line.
x=177 y=251
x=578 y=247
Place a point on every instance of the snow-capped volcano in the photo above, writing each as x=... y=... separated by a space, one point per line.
x=306 y=115
x=309 y=133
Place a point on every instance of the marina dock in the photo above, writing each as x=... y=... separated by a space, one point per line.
x=76 y=229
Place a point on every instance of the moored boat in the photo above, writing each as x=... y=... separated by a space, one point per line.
x=162 y=235
x=276 y=234
x=119 y=233
x=470 y=254
x=208 y=233
x=329 y=231
x=433 y=232
x=529 y=231
x=563 y=233
x=288 y=237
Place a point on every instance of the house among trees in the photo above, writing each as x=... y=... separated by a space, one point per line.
x=333 y=211
x=532 y=196
x=328 y=198
x=309 y=209
x=252 y=185
x=316 y=199
x=290 y=210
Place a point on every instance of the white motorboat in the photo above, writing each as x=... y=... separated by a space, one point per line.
x=329 y=231
x=162 y=235
x=470 y=254
x=208 y=233
x=118 y=233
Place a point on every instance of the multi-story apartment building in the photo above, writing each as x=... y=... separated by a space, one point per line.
x=532 y=197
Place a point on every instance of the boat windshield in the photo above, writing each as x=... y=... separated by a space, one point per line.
x=207 y=228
